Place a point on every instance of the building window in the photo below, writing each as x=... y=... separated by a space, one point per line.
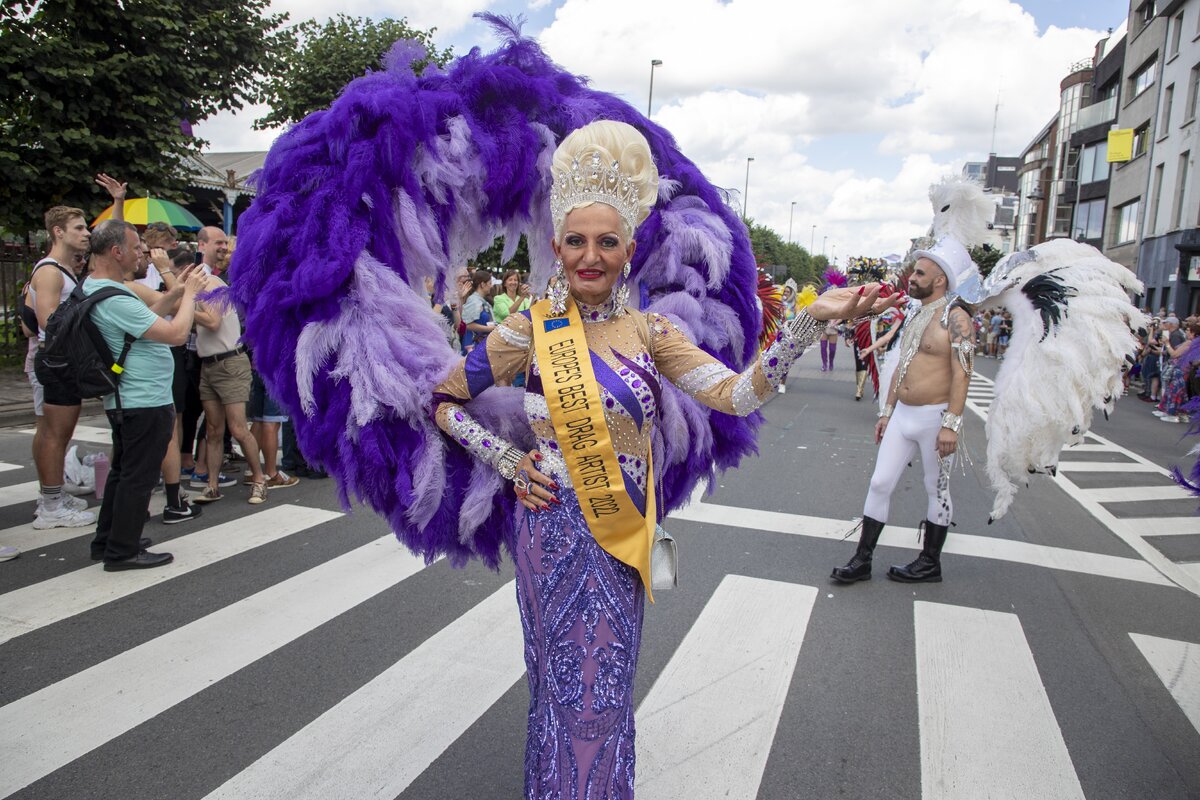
x=1089 y=220
x=1146 y=12
x=1182 y=181
x=1125 y=222
x=1093 y=163
x=1193 y=95
x=1176 y=35
x=1141 y=80
x=1155 y=201
x=1141 y=139
x=1164 y=122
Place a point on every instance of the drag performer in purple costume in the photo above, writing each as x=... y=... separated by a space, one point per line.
x=406 y=177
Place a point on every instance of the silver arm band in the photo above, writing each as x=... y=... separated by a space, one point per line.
x=803 y=329
x=507 y=463
x=887 y=412
x=952 y=422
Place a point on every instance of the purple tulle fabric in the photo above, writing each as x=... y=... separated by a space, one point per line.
x=404 y=178
x=1188 y=361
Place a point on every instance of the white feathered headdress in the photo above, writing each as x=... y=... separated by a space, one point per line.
x=961 y=211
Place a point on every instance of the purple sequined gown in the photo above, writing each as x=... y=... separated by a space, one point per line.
x=581 y=609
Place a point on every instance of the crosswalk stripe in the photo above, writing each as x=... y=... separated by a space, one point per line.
x=986 y=725
x=85 y=433
x=1107 y=466
x=49 y=601
x=1090 y=448
x=26 y=537
x=376 y=741
x=1177 y=665
x=1134 y=494
x=18 y=493
x=966 y=544
x=50 y=728
x=706 y=727
x=1164 y=526
x=6 y=467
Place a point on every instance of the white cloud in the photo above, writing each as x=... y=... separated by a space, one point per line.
x=448 y=16
x=777 y=82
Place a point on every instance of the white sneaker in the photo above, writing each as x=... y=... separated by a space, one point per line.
x=1158 y=413
x=9 y=553
x=62 y=516
x=1171 y=418
x=73 y=503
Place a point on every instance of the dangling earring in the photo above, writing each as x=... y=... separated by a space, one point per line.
x=623 y=291
x=558 y=290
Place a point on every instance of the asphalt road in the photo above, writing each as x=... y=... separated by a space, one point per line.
x=294 y=651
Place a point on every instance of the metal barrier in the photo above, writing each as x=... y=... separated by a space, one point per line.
x=16 y=262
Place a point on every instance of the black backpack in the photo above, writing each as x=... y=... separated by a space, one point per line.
x=75 y=350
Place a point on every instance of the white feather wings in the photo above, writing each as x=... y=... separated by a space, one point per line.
x=1073 y=334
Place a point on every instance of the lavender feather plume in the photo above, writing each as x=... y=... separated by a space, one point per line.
x=406 y=177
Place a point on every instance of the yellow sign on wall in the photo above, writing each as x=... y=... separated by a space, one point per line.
x=1120 y=145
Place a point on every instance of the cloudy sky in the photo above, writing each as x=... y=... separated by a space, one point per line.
x=849 y=109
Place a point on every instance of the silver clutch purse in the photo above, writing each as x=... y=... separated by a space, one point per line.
x=664 y=561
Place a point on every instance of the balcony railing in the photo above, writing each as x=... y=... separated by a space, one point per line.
x=1097 y=113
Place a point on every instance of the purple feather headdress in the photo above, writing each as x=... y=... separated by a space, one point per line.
x=834 y=278
x=407 y=177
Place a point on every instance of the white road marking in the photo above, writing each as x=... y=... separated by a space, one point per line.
x=1177 y=665
x=49 y=729
x=1090 y=448
x=706 y=727
x=6 y=467
x=1131 y=494
x=25 y=538
x=19 y=493
x=1037 y=555
x=55 y=599
x=85 y=433
x=376 y=741
x=987 y=729
x=1105 y=466
x=1164 y=526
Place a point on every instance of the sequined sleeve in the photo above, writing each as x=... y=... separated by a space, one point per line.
x=500 y=358
x=712 y=383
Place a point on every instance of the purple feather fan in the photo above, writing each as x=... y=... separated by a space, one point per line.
x=835 y=278
x=407 y=177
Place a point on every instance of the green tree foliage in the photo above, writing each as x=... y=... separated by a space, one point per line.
x=985 y=257
x=490 y=259
x=104 y=86
x=771 y=251
x=324 y=57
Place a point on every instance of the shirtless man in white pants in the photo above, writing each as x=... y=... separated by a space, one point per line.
x=923 y=413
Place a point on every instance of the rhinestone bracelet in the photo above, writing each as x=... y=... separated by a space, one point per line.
x=804 y=329
x=506 y=465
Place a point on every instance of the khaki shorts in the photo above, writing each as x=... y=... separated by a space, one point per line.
x=227 y=381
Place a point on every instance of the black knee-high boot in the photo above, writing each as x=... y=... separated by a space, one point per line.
x=858 y=568
x=927 y=567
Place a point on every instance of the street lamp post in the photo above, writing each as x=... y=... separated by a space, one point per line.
x=746 y=191
x=811 y=238
x=654 y=62
x=791 y=214
x=824 y=239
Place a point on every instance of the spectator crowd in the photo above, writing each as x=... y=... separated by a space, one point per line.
x=186 y=389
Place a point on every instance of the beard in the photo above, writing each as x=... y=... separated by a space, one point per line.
x=919 y=292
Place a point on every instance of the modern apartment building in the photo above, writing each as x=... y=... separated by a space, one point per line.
x=1088 y=157
x=1168 y=259
x=1137 y=108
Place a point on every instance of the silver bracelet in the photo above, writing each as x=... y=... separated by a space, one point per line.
x=803 y=329
x=887 y=412
x=953 y=422
x=506 y=465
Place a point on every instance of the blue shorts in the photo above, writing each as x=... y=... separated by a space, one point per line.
x=262 y=407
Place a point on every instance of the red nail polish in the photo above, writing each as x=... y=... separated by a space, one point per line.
x=861 y=289
x=537 y=456
x=554 y=486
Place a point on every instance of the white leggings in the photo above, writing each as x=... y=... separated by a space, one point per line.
x=911 y=428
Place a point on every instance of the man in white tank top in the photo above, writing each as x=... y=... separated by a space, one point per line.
x=52 y=281
x=225 y=378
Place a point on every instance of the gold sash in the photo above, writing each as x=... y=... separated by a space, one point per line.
x=577 y=413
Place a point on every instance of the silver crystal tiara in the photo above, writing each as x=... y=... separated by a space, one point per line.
x=594 y=182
